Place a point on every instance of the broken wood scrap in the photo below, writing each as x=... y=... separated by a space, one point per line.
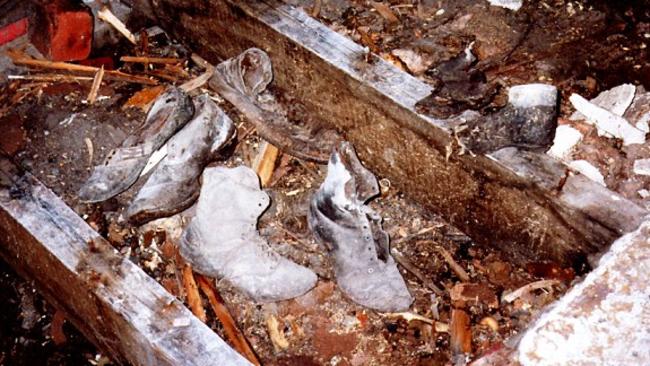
x=277 y=337
x=162 y=75
x=440 y=327
x=94 y=89
x=91 y=149
x=399 y=258
x=144 y=43
x=56 y=328
x=282 y=168
x=176 y=69
x=422 y=232
x=144 y=98
x=151 y=60
x=458 y=270
x=106 y=15
x=315 y=10
x=385 y=11
x=57 y=65
x=264 y=163
x=193 y=296
x=514 y=295
x=51 y=77
x=234 y=334
x=171 y=253
x=461 y=335
x=200 y=80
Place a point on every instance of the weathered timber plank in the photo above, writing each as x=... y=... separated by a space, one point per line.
x=605 y=319
x=108 y=298
x=509 y=201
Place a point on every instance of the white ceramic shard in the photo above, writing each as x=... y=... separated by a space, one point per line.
x=222 y=239
x=642 y=167
x=616 y=100
x=588 y=170
x=566 y=138
x=608 y=122
x=508 y=4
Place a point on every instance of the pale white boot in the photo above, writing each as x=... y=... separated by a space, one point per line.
x=338 y=217
x=222 y=240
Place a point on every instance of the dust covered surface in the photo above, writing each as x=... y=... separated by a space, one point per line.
x=322 y=326
x=577 y=46
x=569 y=42
x=583 y=47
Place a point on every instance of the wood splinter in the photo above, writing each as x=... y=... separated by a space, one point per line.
x=460 y=333
x=514 y=295
x=399 y=258
x=52 y=65
x=193 y=296
x=94 y=89
x=200 y=80
x=264 y=163
x=150 y=60
x=235 y=336
x=106 y=15
x=458 y=270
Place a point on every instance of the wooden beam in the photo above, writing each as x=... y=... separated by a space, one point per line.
x=107 y=297
x=511 y=200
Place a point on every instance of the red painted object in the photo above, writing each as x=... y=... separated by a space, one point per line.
x=14 y=30
x=63 y=30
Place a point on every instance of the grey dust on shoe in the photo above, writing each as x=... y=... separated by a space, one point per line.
x=528 y=121
x=243 y=81
x=171 y=110
x=338 y=217
x=222 y=239
x=174 y=184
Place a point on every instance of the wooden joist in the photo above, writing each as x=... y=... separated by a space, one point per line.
x=107 y=297
x=514 y=200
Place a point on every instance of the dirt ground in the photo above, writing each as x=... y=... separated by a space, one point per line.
x=322 y=327
x=579 y=46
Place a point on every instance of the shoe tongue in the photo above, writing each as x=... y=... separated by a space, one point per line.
x=363 y=184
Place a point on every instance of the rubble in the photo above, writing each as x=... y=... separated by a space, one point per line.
x=222 y=239
x=565 y=140
x=312 y=332
x=415 y=62
x=604 y=319
x=608 y=122
x=352 y=232
x=616 y=100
